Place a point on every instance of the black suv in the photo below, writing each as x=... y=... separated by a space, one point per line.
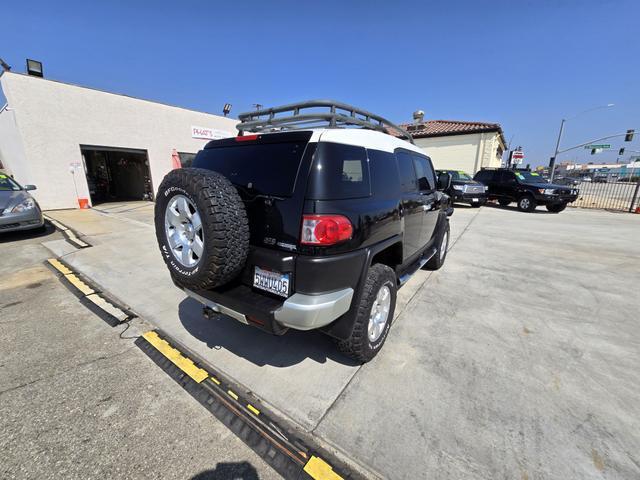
x=526 y=188
x=305 y=228
x=465 y=189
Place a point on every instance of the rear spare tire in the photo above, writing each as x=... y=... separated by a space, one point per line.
x=201 y=227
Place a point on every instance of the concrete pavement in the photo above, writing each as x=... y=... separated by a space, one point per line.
x=518 y=359
x=78 y=400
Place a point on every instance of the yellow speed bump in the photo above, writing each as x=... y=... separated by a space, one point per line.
x=79 y=284
x=58 y=265
x=318 y=469
x=183 y=363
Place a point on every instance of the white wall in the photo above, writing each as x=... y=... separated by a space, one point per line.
x=468 y=153
x=55 y=118
x=11 y=149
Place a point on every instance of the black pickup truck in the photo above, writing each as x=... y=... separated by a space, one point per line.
x=526 y=188
x=464 y=189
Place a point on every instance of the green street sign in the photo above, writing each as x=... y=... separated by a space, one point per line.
x=604 y=146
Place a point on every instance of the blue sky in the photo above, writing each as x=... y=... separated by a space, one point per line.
x=525 y=65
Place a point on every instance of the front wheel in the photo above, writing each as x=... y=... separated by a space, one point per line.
x=526 y=203
x=373 y=316
x=557 y=208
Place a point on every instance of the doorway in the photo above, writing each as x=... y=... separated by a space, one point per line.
x=117 y=174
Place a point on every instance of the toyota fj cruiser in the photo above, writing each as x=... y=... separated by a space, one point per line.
x=526 y=188
x=302 y=223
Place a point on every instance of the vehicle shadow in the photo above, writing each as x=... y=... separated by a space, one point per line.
x=513 y=208
x=47 y=230
x=254 y=345
x=229 y=471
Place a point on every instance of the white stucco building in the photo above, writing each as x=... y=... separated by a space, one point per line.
x=457 y=145
x=74 y=142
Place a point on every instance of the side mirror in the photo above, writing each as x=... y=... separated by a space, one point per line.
x=444 y=181
x=29 y=187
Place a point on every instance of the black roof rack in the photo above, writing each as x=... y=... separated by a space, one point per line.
x=326 y=113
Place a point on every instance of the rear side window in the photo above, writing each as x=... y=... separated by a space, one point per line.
x=408 y=179
x=424 y=170
x=339 y=172
x=263 y=168
x=385 y=181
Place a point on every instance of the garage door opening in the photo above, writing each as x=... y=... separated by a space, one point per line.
x=116 y=175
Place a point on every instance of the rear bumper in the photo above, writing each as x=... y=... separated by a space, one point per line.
x=300 y=311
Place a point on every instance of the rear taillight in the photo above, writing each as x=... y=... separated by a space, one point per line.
x=325 y=229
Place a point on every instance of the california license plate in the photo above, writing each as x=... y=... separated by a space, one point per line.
x=273 y=282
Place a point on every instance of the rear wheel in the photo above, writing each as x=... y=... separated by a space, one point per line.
x=373 y=316
x=526 y=203
x=557 y=208
x=504 y=202
x=437 y=260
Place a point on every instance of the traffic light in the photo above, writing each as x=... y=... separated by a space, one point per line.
x=621 y=152
x=629 y=136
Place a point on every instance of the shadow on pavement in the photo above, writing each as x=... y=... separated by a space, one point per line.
x=513 y=208
x=229 y=471
x=254 y=345
x=45 y=231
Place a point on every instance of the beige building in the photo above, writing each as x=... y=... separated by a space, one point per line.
x=456 y=145
x=74 y=142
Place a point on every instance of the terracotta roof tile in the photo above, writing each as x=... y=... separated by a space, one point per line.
x=433 y=128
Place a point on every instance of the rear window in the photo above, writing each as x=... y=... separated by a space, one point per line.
x=339 y=172
x=263 y=168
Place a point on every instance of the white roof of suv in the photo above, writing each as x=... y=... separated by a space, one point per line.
x=362 y=138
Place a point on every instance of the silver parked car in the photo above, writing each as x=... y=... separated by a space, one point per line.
x=18 y=209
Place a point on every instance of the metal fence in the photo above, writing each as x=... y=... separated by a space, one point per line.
x=620 y=196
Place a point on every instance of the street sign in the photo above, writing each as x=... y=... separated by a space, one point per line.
x=601 y=147
x=517 y=157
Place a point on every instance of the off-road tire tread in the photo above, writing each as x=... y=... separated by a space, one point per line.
x=224 y=222
x=435 y=263
x=357 y=345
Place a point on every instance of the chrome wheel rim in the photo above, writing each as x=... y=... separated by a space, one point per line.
x=445 y=245
x=183 y=227
x=379 y=313
x=524 y=203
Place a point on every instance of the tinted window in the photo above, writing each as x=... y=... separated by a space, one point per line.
x=186 y=159
x=483 y=176
x=338 y=172
x=506 y=177
x=385 y=180
x=424 y=170
x=408 y=179
x=267 y=168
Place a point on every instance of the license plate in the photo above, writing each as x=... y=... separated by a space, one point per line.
x=273 y=282
x=474 y=199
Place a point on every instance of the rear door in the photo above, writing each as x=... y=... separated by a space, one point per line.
x=269 y=172
x=411 y=204
x=507 y=184
x=430 y=198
